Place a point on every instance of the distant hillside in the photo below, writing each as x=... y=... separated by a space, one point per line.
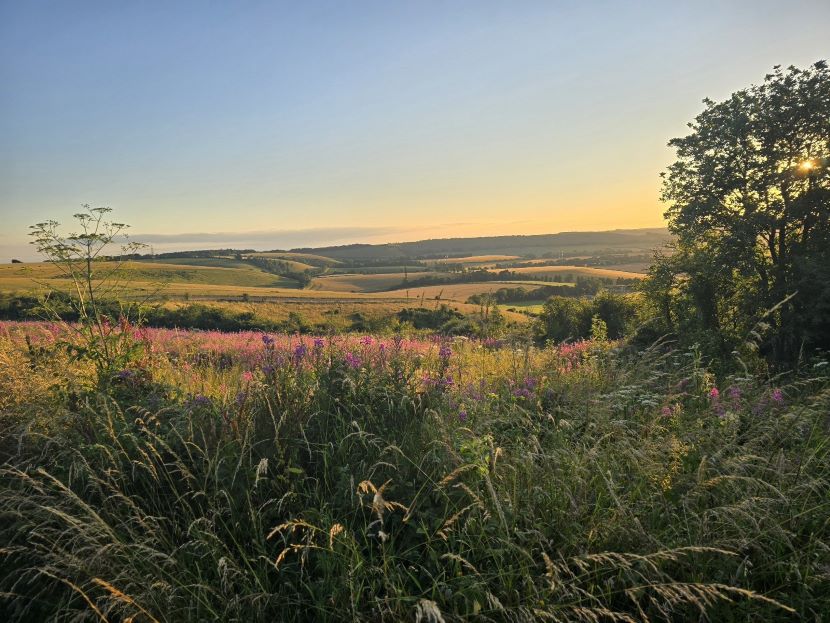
x=637 y=244
x=631 y=241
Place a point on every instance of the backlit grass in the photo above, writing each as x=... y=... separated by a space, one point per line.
x=258 y=477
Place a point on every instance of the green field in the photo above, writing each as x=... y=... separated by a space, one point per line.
x=141 y=275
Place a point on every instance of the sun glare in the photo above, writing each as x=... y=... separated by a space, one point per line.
x=807 y=165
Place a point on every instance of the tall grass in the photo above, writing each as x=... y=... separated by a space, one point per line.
x=577 y=484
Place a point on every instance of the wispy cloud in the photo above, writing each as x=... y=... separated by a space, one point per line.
x=260 y=240
x=276 y=239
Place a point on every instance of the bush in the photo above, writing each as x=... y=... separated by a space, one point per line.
x=565 y=319
x=198 y=316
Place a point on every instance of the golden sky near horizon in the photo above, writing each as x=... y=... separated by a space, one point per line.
x=330 y=123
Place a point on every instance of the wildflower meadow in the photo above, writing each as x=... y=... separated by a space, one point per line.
x=253 y=476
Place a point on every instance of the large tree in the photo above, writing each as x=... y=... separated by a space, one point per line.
x=749 y=202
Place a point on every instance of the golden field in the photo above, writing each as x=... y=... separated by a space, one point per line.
x=582 y=271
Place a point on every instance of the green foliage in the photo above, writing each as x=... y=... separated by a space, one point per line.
x=488 y=322
x=283 y=269
x=521 y=294
x=749 y=201
x=565 y=319
x=432 y=319
x=599 y=329
x=23 y=307
x=198 y=316
x=364 y=323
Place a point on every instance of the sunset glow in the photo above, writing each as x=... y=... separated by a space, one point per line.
x=331 y=123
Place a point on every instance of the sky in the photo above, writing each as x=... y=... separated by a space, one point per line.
x=286 y=124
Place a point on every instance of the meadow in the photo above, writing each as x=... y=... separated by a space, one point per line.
x=201 y=475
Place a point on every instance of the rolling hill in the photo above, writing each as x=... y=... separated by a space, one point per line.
x=633 y=241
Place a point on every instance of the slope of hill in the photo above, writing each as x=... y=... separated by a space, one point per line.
x=569 y=243
x=179 y=275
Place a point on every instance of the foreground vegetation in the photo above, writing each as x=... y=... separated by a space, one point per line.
x=244 y=477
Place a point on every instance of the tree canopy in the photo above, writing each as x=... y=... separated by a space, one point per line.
x=749 y=201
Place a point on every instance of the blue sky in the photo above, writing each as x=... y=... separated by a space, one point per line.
x=286 y=124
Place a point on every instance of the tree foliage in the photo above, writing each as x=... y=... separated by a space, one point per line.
x=607 y=315
x=749 y=202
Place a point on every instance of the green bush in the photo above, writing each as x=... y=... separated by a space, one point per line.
x=568 y=318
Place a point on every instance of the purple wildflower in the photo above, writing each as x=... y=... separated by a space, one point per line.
x=126 y=375
x=445 y=352
x=352 y=360
x=300 y=351
x=462 y=416
x=267 y=340
x=778 y=396
x=198 y=401
x=522 y=392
